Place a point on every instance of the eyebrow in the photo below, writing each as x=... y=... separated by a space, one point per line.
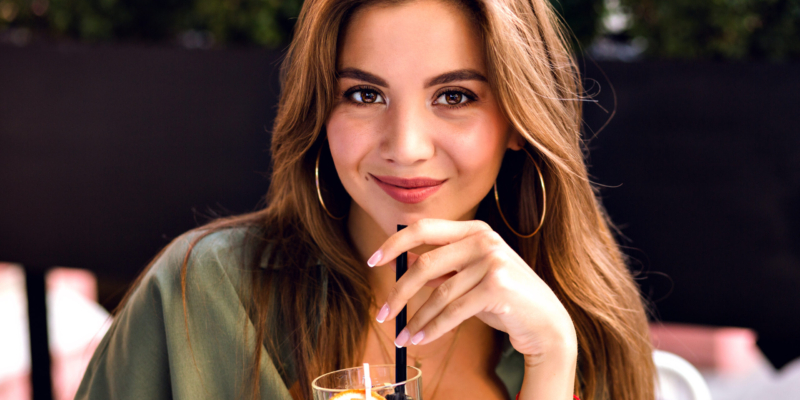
x=447 y=77
x=365 y=76
x=459 y=75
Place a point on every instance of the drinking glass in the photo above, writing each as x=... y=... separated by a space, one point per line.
x=328 y=386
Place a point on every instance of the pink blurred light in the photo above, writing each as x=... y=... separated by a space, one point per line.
x=76 y=325
x=722 y=349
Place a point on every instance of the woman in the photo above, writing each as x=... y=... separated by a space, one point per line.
x=460 y=119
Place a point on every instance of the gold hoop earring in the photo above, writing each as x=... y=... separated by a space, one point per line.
x=319 y=192
x=544 y=201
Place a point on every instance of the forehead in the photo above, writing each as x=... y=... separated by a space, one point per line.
x=413 y=40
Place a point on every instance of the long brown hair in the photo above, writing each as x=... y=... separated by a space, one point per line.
x=537 y=85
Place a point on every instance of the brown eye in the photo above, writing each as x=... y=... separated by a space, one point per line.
x=368 y=97
x=453 y=97
x=365 y=96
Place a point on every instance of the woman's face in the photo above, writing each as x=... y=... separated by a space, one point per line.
x=416 y=131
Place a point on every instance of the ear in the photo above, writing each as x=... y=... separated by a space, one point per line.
x=515 y=140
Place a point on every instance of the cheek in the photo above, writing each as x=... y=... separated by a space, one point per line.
x=349 y=143
x=479 y=151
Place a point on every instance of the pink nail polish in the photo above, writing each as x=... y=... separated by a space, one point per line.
x=376 y=258
x=418 y=337
x=383 y=313
x=402 y=338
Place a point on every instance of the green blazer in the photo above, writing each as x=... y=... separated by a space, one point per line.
x=146 y=355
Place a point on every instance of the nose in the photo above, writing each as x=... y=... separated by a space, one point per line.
x=409 y=136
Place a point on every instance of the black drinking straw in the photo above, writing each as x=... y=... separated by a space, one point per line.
x=400 y=324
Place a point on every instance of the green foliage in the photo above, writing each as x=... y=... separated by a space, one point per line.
x=718 y=29
x=715 y=29
x=263 y=22
x=582 y=17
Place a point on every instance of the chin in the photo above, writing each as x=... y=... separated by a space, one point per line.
x=389 y=220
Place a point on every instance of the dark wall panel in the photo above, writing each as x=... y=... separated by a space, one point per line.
x=107 y=153
x=706 y=158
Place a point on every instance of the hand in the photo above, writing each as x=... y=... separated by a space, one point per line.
x=484 y=277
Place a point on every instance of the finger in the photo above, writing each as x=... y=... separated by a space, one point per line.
x=436 y=232
x=452 y=289
x=454 y=314
x=436 y=263
x=411 y=258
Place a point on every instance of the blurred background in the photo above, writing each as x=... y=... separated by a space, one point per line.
x=124 y=123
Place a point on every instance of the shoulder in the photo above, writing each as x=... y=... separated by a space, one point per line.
x=203 y=246
x=182 y=332
x=200 y=256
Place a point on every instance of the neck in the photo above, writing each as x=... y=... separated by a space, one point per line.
x=367 y=237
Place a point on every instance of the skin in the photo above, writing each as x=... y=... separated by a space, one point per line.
x=460 y=272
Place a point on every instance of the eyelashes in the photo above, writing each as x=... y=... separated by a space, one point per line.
x=363 y=96
x=357 y=95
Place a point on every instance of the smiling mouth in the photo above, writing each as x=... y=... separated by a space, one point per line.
x=408 y=190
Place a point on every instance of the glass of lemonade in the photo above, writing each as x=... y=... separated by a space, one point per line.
x=348 y=384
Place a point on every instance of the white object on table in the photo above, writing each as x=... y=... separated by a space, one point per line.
x=677 y=379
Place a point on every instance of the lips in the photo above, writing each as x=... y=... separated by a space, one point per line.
x=408 y=190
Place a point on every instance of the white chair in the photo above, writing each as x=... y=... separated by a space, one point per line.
x=677 y=379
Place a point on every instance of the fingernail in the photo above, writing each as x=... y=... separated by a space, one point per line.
x=418 y=337
x=375 y=258
x=402 y=338
x=383 y=313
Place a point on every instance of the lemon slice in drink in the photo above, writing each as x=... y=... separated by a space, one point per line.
x=356 y=394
